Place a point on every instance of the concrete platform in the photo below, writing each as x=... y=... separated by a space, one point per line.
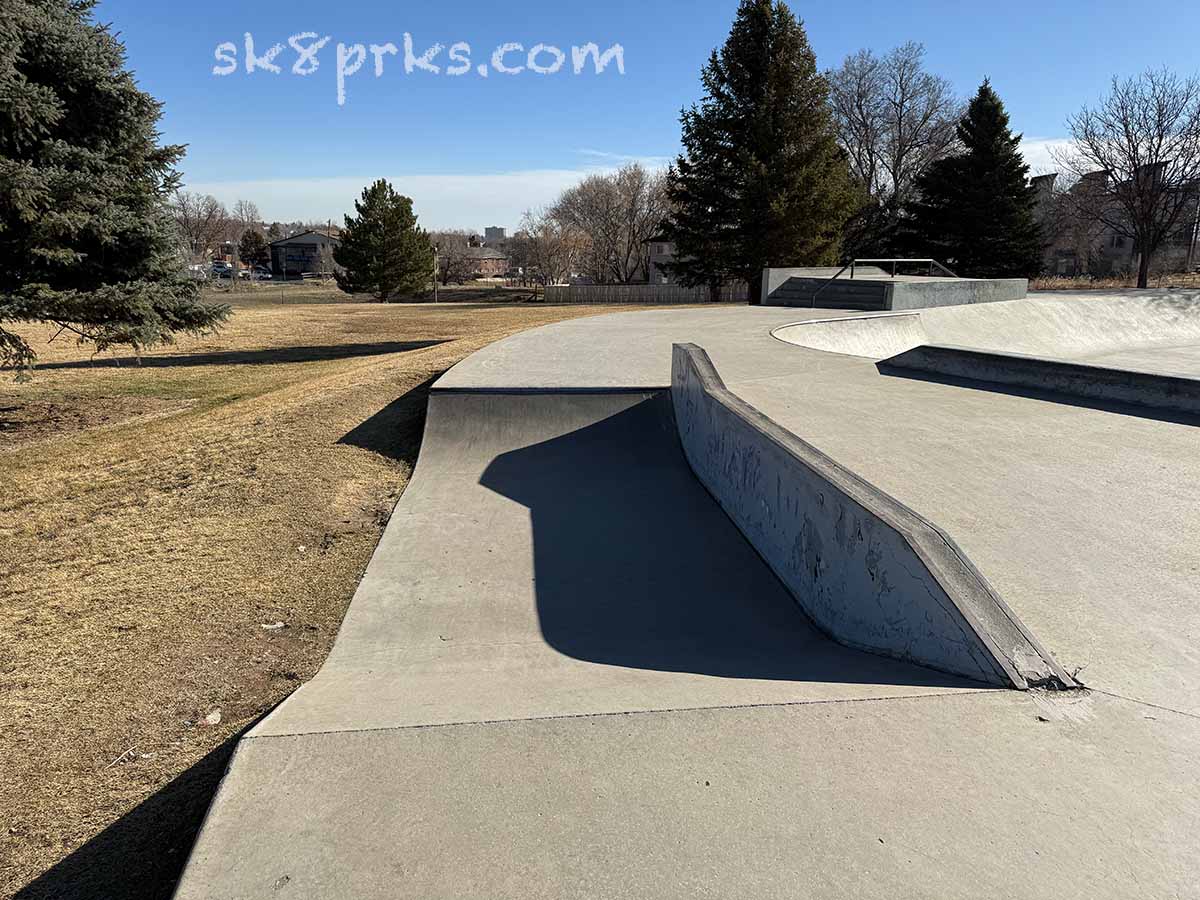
x=566 y=674
x=871 y=288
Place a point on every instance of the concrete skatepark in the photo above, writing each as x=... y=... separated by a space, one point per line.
x=730 y=602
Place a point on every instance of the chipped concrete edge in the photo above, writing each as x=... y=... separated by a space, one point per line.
x=895 y=585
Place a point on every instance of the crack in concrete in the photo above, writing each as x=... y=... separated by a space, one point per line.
x=634 y=712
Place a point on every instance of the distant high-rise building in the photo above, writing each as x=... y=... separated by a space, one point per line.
x=493 y=234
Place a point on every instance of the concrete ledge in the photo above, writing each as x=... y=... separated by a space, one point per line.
x=1173 y=392
x=956 y=292
x=866 y=569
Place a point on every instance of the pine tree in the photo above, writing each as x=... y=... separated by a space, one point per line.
x=975 y=210
x=85 y=239
x=253 y=249
x=382 y=251
x=762 y=180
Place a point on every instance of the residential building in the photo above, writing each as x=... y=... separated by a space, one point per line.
x=661 y=252
x=487 y=262
x=1080 y=246
x=493 y=236
x=306 y=253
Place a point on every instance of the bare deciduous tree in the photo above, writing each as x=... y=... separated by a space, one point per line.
x=454 y=263
x=894 y=119
x=245 y=217
x=202 y=220
x=1133 y=165
x=617 y=213
x=547 y=248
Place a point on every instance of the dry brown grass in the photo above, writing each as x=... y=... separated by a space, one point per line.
x=252 y=293
x=1087 y=283
x=153 y=519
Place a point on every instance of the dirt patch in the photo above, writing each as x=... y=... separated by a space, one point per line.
x=22 y=423
x=178 y=544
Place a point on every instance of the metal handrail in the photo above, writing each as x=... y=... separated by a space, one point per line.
x=856 y=262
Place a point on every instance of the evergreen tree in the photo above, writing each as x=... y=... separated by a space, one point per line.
x=762 y=180
x=86 y=242
x=382 y=251
x=253 y=249
x=975 y=210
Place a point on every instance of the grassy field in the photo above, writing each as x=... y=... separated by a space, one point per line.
x=178 y=543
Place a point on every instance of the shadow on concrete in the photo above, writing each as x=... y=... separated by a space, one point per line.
x=636 y=565
x=396 y=430
x=141 y=855
x=272 y=356
x=1157 y=414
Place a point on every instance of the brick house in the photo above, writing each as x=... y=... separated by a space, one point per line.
x=486 y=262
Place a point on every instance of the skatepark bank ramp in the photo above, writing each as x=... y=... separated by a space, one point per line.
x=1139 y=349
x=553 y=556
x=1078 y=326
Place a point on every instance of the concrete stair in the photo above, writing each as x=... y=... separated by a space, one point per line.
x=839 y=294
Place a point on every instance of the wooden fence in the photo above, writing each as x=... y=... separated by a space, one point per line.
x=642 y=293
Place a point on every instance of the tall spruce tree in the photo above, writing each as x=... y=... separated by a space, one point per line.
x=382 y=251
x=975 y=210
x=761 y=180
x=86 y=243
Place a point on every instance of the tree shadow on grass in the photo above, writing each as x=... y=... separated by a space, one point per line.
x=396 y=430
x=270 y=356
x=141 y=855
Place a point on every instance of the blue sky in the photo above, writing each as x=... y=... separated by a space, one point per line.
x=475 y=151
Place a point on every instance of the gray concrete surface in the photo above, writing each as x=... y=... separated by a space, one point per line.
x=1081 y=380
x=1182 y=360
x=553 y=555
x=873 y=289
x=774 y=279
x=868 y=571
x=1083 y=519
x=996 y=795
x=1088 y=326
x=487 y=728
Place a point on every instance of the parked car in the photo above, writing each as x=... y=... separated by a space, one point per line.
x=258 y=273
x=221 y=269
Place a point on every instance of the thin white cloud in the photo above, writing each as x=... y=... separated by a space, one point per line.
x=1039 y=154
x=620 y=159
x=467 y=201
x=470 y=201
